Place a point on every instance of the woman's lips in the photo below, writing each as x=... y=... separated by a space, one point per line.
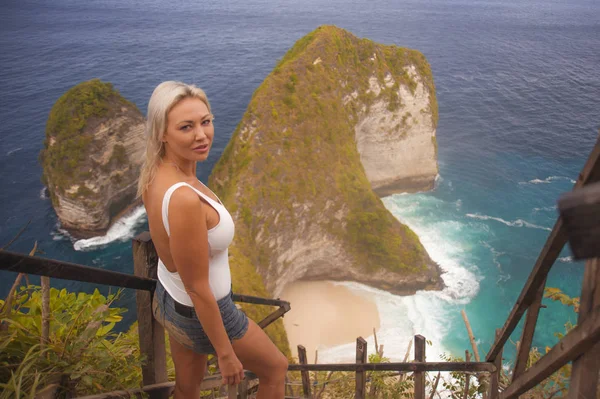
x=201 y=148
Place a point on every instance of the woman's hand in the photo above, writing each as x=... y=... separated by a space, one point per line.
x=231 y=369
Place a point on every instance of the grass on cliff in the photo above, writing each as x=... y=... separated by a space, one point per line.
x=304 y=150
x=66 y=145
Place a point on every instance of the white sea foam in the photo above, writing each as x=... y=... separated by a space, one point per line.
x=502 y=275
x=458 y=204
x=400 y=319
x=515 y=223
x=44 y=193
x=13 y=151
x=547 y=180
x=566 y=259
x=426 y=312
x=122 y=230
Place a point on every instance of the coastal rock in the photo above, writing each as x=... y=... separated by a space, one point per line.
x=92 y=157
x=337 y=118
x=397 y=143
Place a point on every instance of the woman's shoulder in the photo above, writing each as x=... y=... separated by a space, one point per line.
x=181 y=191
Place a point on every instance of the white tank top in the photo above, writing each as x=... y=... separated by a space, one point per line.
x=219 y=238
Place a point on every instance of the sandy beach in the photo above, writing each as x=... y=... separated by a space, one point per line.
x=324 y=315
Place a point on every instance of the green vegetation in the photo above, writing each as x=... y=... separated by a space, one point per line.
x=67 y=145
x=82 y=354
x=304 y=152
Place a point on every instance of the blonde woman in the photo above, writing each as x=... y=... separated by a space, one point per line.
x=192 y=230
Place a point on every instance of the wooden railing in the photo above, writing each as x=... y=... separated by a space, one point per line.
x=581 y=345
x=150 y=332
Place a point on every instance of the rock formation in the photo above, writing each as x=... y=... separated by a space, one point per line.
x=92 y=157
x=338 y=117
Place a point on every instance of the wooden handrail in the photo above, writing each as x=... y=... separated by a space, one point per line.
x=555 y=243
x=20 y=263
x=405 y=367
x=577 y=341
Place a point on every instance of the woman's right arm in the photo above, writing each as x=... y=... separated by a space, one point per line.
x=190 y=252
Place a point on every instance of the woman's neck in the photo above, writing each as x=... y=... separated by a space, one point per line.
x=187 y=168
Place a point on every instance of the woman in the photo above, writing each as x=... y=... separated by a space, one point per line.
x=191 y=230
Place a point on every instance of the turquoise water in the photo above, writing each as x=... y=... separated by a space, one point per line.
x=518 y=88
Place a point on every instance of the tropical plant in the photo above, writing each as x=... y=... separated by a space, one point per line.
x=82 y=354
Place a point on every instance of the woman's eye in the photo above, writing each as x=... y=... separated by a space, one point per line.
x=186 y=127
x=207 y=122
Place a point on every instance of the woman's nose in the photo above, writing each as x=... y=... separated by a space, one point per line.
x=200 y=131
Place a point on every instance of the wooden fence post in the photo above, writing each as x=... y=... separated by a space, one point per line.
x=467 y=377
x=419 y=376
x=361 y=376
x=150 y=333
x=528 y=330
x=304 y=373
x=584 y=374
x=495 y=380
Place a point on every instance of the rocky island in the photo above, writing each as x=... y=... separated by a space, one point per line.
x=339 y=121
x=92 y=156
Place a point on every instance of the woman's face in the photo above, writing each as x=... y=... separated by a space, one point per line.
x=190 y=130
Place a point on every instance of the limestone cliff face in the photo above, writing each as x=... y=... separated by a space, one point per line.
x=338 y=117
x=92 y=157
x=397 y=146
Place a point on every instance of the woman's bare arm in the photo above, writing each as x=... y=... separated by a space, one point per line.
x=190 y=252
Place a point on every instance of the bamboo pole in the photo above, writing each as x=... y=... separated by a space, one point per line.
x=471 y=336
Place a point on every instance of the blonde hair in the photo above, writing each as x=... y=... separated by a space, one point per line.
x=163 y=99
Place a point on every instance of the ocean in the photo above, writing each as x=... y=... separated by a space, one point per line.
x=518 y=87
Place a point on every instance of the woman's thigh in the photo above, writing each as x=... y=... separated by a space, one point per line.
x=189 y=367
x=258 y=353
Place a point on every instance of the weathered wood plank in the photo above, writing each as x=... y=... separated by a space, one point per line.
x=556 y=241
x=151 y=333
x=528 y=331
x=580 y=212
x=361 y=377
x=209 y=382
x=495 y=380
x=15 y=262
x=584 y=374
x=580 y=339
x=243 y=389
x=467 y=378
x=406 y=367
x=259 y=301
x=274 y=316
x=304 y=373
x=419 y=375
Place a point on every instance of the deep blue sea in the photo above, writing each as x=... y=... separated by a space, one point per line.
x=518 y=86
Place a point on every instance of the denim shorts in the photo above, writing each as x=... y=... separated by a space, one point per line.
x=183 y=325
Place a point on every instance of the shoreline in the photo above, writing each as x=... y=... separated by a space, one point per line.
x=324 y=315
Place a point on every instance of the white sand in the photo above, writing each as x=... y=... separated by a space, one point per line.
x=324 y=315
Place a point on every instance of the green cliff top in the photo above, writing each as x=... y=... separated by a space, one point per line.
x=303 y=150
x=66 y=146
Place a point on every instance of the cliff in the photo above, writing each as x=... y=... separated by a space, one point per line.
x=338 y=117
x=92 y=156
